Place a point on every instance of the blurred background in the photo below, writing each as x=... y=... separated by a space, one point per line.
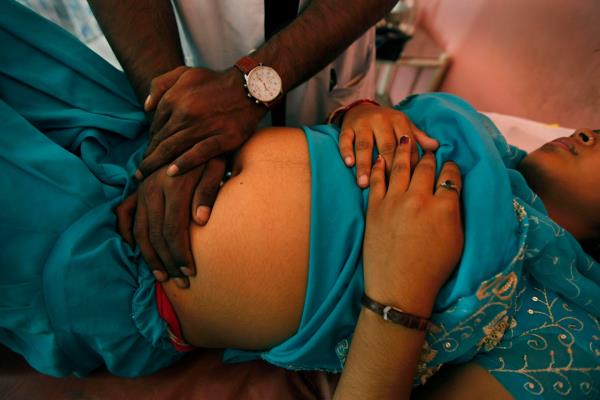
x=537 y=59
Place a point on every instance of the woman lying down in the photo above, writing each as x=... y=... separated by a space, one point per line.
x=284 y=275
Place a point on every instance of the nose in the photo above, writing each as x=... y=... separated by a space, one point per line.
x=585 y=137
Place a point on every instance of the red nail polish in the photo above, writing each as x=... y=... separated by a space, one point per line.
x=404 y=139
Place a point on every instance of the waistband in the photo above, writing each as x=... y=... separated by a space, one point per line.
x=167 y=313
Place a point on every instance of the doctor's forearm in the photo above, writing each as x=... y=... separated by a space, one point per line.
x=143 y=34
x=318 y=36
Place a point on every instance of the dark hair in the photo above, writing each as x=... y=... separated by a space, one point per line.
x=593 y=249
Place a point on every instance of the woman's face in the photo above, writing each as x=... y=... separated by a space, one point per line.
x=565 y=173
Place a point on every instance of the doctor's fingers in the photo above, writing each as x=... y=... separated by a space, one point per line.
x=151 y=236
x=207 y=190
x=140 y=230
x=160 y=85
x=125 y=213
x=176 y=232
x=168 y=150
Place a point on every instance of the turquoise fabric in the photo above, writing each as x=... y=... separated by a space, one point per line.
x=73 y=296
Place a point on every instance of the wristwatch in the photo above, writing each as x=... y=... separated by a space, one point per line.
x=263 y=83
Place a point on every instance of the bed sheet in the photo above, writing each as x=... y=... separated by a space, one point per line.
x=525 y=133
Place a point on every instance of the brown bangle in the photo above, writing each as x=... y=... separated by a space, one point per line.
x=338 y=114
x=398 y=316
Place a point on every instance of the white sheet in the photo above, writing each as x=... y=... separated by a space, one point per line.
x=525 y=133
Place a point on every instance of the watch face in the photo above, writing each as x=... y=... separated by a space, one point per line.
x=264 y=83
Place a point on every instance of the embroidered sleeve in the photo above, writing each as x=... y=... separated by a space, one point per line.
x=550 y=351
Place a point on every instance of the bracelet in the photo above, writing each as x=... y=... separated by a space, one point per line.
x=339 y=113
x=397 y=316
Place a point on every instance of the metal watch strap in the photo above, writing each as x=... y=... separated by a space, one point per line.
x=397 y=316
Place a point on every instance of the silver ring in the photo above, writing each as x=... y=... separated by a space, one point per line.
x=448 y=184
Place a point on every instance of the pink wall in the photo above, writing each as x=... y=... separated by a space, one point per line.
x=538 y=59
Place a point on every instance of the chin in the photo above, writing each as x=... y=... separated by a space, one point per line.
x=538 y=168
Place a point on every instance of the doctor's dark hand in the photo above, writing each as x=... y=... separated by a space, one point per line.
x=198 y=114
x=157 y=218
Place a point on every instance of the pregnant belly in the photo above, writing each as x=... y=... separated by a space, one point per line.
x=252 y=256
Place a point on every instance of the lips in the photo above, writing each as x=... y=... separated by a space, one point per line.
x=566 y=144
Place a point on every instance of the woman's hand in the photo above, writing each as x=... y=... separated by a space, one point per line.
x=368 y=124
x=414 y=235
x=413 y=241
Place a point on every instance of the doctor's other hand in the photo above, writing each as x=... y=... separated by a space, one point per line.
x=414 y=233
x=199 y=114
x=160 y=223
x=366 y=125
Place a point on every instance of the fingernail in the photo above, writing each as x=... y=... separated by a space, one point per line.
x=186 y=271
x=147 y=102
x=202 y=214
x=181 y=282
x=403 y=139
x=172 y=170
x=348 y=161
x=363 y=180
x=160 y=275
x=379 y=158
x=138 y=175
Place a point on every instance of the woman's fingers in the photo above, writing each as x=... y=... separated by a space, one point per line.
x=364 y=155
x=449 y=184
x=346 y=145
x=377 y=183
x=401 y=166
x=386 y=142
x=424 y=175
x=403 y=127
x=414 y=151
x=425 y=141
